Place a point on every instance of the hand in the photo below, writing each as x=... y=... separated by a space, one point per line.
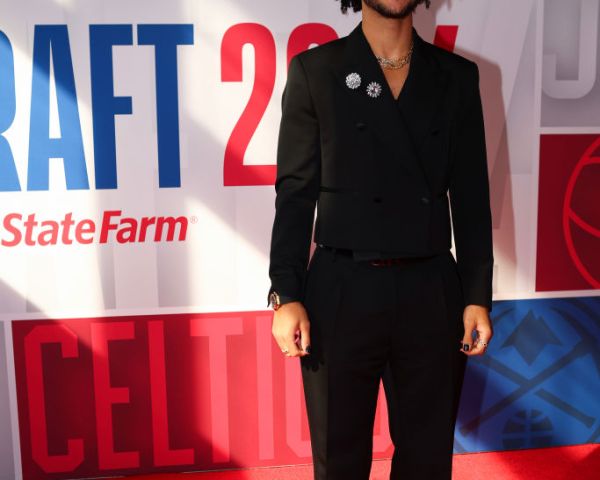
x=290 y=326
x=476 y=318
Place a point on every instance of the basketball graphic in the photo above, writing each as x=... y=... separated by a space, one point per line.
x=527 y=429
x=581 y=217
x=568 y=233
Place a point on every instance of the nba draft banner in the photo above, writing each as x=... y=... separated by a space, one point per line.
x=137 y=160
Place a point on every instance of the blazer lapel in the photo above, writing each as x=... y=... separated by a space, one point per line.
x=420 y=95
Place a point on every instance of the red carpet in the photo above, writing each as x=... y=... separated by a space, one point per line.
x=580 y=462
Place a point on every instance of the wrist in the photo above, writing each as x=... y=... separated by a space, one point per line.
x=474 y=306
x=277 y=300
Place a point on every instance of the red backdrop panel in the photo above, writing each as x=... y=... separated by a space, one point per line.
x=568 y=237
x=181 y=392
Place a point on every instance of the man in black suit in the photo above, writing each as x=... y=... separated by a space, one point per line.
x=383 y=132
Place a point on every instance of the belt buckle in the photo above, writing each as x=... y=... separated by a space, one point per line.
x=380 y=262
x=387 y=262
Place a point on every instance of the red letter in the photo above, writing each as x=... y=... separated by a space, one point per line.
x=171 y=223
x=106 y=395
x=264 y=373
x=445 y=36
x=293 y=411
x=50 y=235
x=67 y=223
x=127 y=230
x=10 y=228
x=36 y=399
x=85 y=227
x=304 y=35
x=234 y=39
x=30 y=224
x=163 y=455
x=145 y=223
x=217 y=329
x=106 y=225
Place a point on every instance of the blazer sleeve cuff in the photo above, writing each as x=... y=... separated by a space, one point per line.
x=289 y=289
x=477 y=287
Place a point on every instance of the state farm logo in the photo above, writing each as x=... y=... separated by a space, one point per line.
x=18 y=229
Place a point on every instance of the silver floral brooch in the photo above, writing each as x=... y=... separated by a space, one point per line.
x=353 y=80
x=373 y=89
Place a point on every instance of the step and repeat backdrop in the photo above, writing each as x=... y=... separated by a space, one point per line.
x=137 y=152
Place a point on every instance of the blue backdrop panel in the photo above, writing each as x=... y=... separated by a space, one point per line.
x=539 y=383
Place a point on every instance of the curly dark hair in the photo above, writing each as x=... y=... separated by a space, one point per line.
x=356 y=5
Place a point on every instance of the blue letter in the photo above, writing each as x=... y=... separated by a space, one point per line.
x=165 y=39
x=55 y=39
x=104 y=103
x=9 y=181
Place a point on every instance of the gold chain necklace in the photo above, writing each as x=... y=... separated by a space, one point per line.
x=395 y=63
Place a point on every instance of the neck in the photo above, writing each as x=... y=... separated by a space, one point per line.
x=388 y=37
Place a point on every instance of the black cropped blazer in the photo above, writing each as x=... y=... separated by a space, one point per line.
x=385 y=174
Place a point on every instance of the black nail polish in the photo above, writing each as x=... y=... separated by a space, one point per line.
x=466 y=347
x=307 y=349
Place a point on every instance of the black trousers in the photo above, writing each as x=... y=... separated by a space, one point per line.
x=399 y=324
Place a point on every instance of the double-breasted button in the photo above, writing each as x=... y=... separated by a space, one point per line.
x=361 y=125
x=425 y=200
